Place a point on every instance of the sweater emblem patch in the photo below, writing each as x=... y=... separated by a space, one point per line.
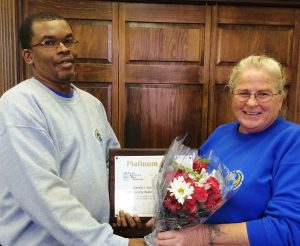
x=238 y=178
x=98 y=135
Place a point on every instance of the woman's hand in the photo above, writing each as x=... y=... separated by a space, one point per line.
x=200 y=235
x=191 y=236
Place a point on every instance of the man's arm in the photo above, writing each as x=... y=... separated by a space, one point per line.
x=136 y=242
x=32 y=177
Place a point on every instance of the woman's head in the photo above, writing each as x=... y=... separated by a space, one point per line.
x=258 y=89
x=270 y=65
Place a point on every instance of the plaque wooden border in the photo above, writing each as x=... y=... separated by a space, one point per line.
x=126 y=232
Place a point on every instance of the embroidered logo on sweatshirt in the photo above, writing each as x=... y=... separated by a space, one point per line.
x=98 y=135
x=238 y=178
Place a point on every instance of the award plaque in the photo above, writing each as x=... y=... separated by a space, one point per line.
x=130 y=181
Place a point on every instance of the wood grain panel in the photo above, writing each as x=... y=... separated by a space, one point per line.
x=286 y=111
x=164 y=13
x=156 y=114
x=8 y=46
x=296 y=88
x=164 y=73
x=92 y=72
x=103 y=91
x=165 y=42
x=163 y=56
x=253 y=39
x=293 y=96
x=259 y=16
x=81 y=9
x=94 y=39
x=223 y=105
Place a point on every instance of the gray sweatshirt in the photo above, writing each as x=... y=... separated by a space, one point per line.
x=53 y=168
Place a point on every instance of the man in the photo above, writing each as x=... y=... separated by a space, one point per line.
x=54 y=142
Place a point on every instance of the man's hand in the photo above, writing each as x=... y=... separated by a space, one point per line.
x=150 y=223
x=125 y=219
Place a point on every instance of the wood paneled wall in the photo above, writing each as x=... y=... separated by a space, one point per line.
x=163 y=73
x=241 y=31
x=8 y=45
x=160 y=69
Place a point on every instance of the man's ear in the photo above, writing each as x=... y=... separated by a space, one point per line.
x=27 y=56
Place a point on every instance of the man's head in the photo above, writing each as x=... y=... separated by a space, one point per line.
x=26 y=33
x=50 y=48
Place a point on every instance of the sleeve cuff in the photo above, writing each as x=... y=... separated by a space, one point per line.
x=256 y=233
x=118 y=241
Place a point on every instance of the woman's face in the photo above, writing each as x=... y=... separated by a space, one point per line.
x=253 y=115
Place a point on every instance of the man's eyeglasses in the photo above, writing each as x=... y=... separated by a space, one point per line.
x=52 y=43
x=260 y=96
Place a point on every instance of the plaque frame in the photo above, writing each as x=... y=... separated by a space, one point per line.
x=127 y=232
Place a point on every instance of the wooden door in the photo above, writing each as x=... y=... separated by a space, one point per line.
x=95 y=25
x=238 y=32
x=163 y=67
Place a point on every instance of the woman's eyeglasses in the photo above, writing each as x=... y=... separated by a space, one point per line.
x=260 y=96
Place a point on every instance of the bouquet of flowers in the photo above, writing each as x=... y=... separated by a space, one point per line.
x=188 y=189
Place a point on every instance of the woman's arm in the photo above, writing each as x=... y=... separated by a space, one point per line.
x=200 y=235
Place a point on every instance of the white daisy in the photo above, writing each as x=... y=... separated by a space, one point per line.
x=180 y=189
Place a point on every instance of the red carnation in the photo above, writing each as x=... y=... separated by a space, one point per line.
x=200 y=163
x=171 y=203
x=200 y=194
x=213 y=204
x=214 y=190
x=190 y=205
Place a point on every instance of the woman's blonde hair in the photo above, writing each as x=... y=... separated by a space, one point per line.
x=273 y=67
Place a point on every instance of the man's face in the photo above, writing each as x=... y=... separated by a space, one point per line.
x=54 y=66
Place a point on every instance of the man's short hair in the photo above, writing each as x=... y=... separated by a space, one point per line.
x=25 y=32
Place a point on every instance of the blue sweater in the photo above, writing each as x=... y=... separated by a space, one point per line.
x=267 y=165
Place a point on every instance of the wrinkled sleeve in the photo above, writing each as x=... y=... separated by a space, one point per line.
x=29 y=165
x=281 y=222
x=112 y=140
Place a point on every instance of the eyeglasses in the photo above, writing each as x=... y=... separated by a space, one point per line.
x=260 y=96
x=52 y=43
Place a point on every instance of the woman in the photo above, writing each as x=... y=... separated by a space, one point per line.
x=264 y=152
